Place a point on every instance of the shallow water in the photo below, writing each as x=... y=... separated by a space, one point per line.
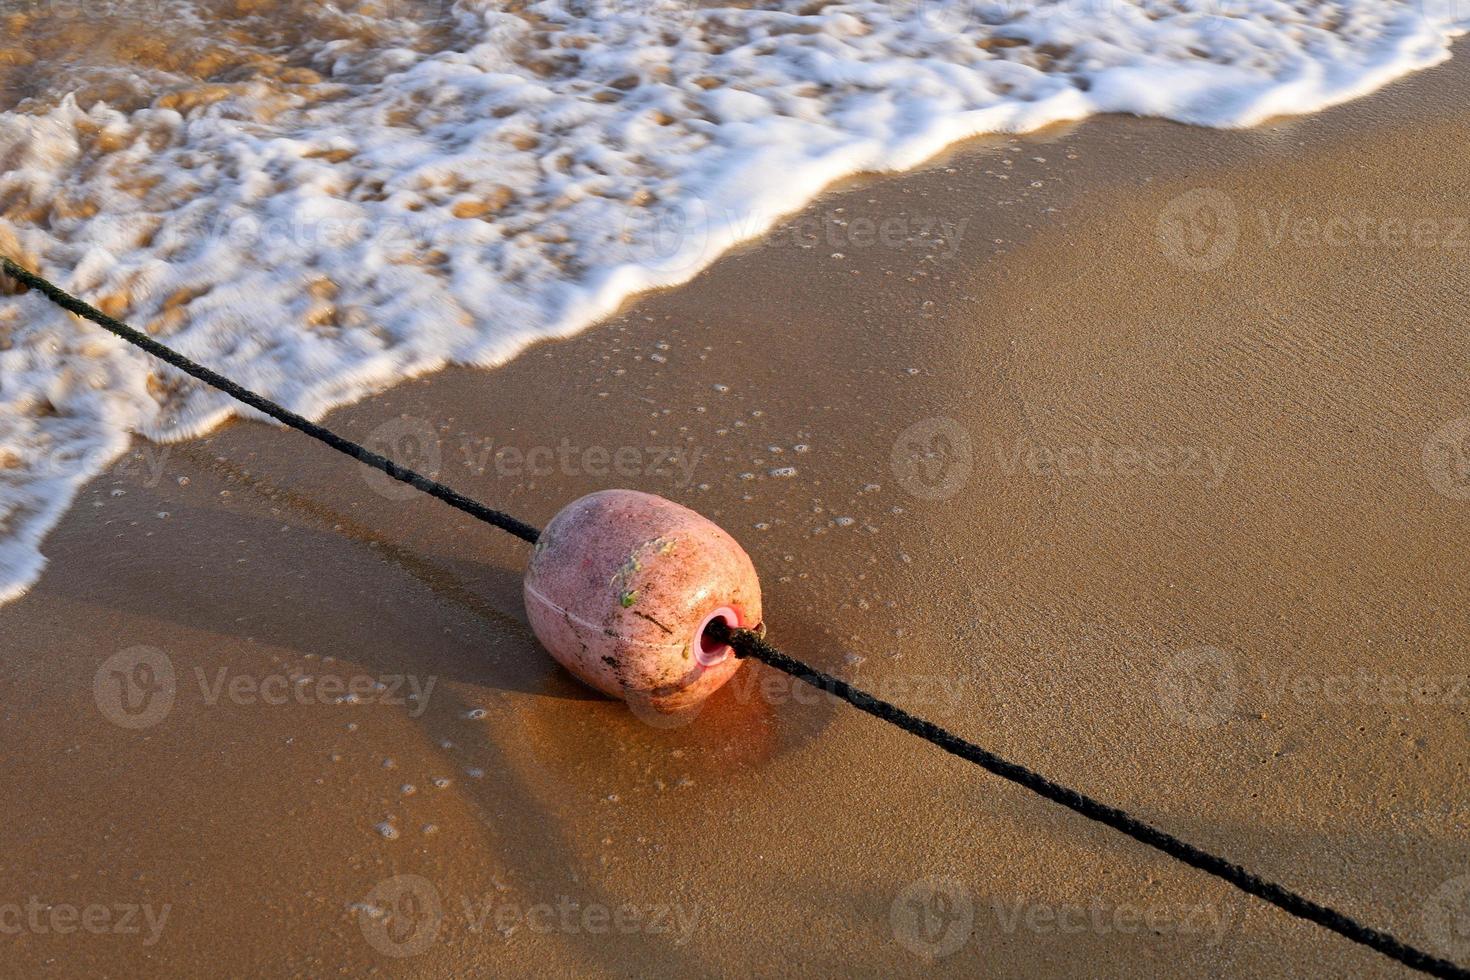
x=320 y=200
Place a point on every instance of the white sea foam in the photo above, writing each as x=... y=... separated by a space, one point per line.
x=451 y=198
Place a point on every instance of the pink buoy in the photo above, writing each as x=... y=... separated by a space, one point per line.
x=621 y=588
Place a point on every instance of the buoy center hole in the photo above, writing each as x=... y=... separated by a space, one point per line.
x=713 y=647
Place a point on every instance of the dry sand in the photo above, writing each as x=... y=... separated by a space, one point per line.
x=1192 y=490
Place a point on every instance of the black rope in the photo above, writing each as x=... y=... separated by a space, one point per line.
x=747 y=643
x=357 y=451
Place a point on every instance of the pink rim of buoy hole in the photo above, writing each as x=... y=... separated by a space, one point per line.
x=706 y=650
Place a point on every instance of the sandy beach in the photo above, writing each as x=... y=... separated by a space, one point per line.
x=1131 y=451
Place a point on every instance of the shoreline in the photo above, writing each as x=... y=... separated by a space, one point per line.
x=612 y=292
x=1235 y=491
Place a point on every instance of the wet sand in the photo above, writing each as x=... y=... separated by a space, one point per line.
x=1148 y=476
